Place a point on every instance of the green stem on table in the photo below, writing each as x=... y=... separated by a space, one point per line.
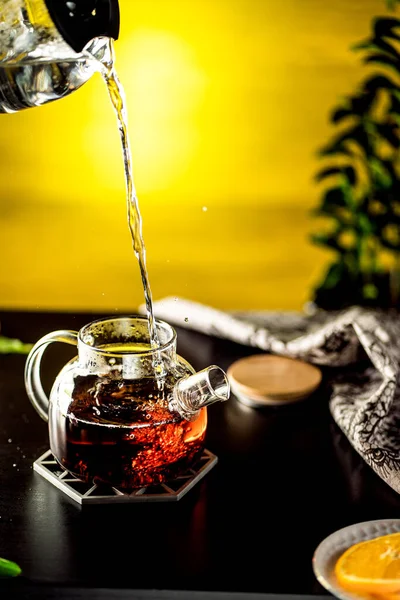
x=12 y=346
x=9 y=568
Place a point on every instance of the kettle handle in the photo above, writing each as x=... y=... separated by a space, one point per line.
x=33 y=383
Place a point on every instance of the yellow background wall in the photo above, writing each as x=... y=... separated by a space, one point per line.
x=228 y=102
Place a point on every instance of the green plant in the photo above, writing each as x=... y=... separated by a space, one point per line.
x=13 y=346
x=361 y=195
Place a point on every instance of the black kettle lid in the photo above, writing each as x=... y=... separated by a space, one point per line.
x=79 y=21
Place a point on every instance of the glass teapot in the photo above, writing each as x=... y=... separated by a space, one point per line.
x=122 y=412
x=48 y=47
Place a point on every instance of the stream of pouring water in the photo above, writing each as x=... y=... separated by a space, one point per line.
x=117 y=96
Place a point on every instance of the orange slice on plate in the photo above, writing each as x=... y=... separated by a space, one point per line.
x=372 y=567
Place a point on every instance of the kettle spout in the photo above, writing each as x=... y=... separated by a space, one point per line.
x=201 y=389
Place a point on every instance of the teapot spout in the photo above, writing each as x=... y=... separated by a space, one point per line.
x=194 y=392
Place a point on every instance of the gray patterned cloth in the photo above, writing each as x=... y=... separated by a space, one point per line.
x=365 y=400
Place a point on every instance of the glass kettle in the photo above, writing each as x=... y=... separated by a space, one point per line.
x=48 y=47
x=122 y=412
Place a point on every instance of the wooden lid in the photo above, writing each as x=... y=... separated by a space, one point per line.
x=269 y=379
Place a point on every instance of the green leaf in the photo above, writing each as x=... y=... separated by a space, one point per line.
x=348 y=172
x=321 y=175
x=354 y=107
x=391 y=169
x=383 y=61
x=341 y=113
x=365 y=224
x=378 y=44
x=364 y=45
x=356 y=134
x=385 y=27
x=340 y=151
x=380 y=173
x=12 y=346
x=379 y=82
x=9 y=568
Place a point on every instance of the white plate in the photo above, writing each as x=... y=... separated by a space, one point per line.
x=333 y=546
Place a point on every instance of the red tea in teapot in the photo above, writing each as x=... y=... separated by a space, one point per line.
x=124 y=434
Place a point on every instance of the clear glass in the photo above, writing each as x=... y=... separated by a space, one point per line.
x=113 y=412
x=36 y=64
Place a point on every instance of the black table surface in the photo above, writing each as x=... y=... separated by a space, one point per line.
x=285 y=479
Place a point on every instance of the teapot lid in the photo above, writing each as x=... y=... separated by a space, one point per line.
x=79 y=21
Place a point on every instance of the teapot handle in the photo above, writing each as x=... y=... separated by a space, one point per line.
x=33 y=383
